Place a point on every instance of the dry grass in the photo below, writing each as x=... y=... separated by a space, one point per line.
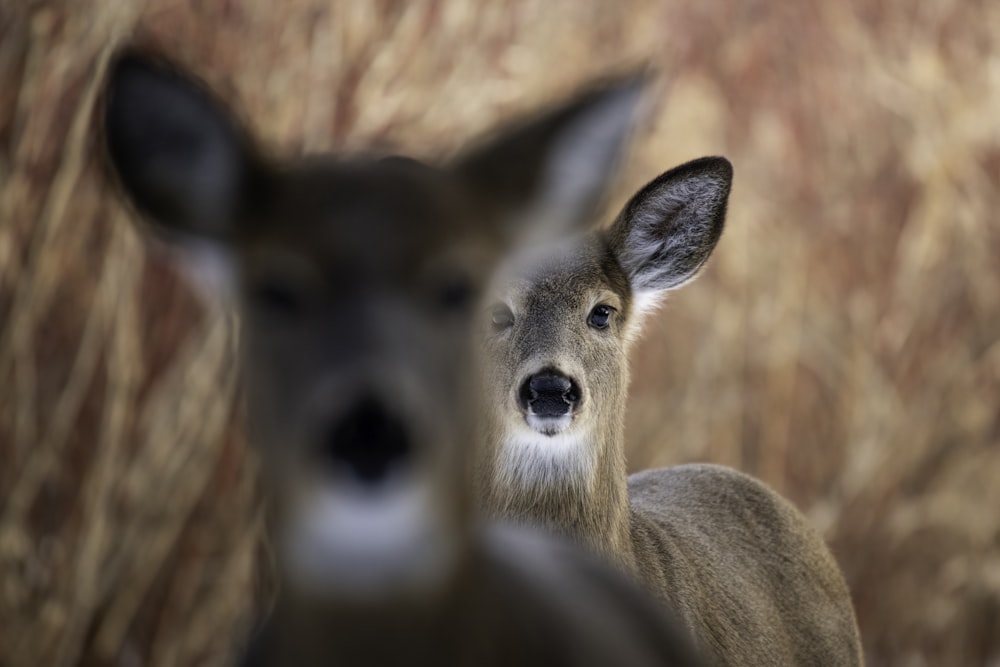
x=844 y=343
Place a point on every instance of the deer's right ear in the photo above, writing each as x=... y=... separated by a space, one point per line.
x=177 y=151
x=545 y=177
x=669 y=228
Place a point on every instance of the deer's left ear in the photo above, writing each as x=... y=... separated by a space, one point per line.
x=177 y=151
x=667 y=230
x=183 y=161
x=546 y=177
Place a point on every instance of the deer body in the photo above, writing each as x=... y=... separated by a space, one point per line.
x=521 y=599
x=354 y=278
x=752 y=581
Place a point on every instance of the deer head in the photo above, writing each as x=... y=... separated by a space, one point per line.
x=555 y=362
x=355 y=278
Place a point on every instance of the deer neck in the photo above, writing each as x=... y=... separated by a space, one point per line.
x=413 y=628
x=573 y=485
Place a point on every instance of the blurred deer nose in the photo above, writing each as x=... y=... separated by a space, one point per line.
x=549 y=393
x=368 y=441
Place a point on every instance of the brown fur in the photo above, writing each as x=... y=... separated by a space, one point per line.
x=752 y=580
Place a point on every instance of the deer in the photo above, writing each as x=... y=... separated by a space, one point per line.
x=354 y=278
x=752 y=581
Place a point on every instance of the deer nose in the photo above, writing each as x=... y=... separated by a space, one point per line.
x=549 y=393
x=368 y=441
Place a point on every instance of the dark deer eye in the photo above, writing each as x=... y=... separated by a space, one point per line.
x=501 y=317
x=600 y=316
x=455 y=294
x=278 y=298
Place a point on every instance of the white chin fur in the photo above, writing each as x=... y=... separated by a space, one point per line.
x=529 y=459
x=353 y=543
x=549 y=425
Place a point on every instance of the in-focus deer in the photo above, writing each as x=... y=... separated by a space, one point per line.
x=355 y=279
x=754 y=583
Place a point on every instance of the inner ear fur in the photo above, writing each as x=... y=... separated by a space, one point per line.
x=547 y=174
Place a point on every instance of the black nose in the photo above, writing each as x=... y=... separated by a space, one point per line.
x=369 y=441
x=549 y=393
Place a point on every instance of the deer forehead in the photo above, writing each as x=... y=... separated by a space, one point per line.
x=569 y=276
x=364 y=216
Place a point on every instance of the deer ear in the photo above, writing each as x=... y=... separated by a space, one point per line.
x=667 y=231
x=549 y=174
x=177 y=152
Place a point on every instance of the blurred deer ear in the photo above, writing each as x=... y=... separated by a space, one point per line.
x=548 y=175
x=667 y=231
x=178 y=152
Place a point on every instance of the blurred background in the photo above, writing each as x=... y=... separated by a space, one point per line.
x=843 y=344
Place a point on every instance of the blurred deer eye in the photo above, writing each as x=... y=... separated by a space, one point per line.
x=278 y=298
x=600 y=316
x=281 y=284
x=501 y=317
x=456 y=294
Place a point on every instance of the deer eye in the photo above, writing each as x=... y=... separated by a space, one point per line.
x=600 y=316
x=281 y=284
x=455 y=294
x=278 y=298
x=501 y=317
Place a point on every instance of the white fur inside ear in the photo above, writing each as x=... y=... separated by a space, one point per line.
x=367 y=543
x=529 y=459
x=672 y=231
x=585 y=154
x=581 y=164
x=209 y=268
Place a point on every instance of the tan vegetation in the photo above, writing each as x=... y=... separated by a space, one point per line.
x=844 y=343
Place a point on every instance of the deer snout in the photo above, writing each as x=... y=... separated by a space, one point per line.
x=369 y=441
x=549 y=394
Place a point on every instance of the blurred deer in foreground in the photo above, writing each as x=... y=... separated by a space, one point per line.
x=355 y=280
x=753 y=582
